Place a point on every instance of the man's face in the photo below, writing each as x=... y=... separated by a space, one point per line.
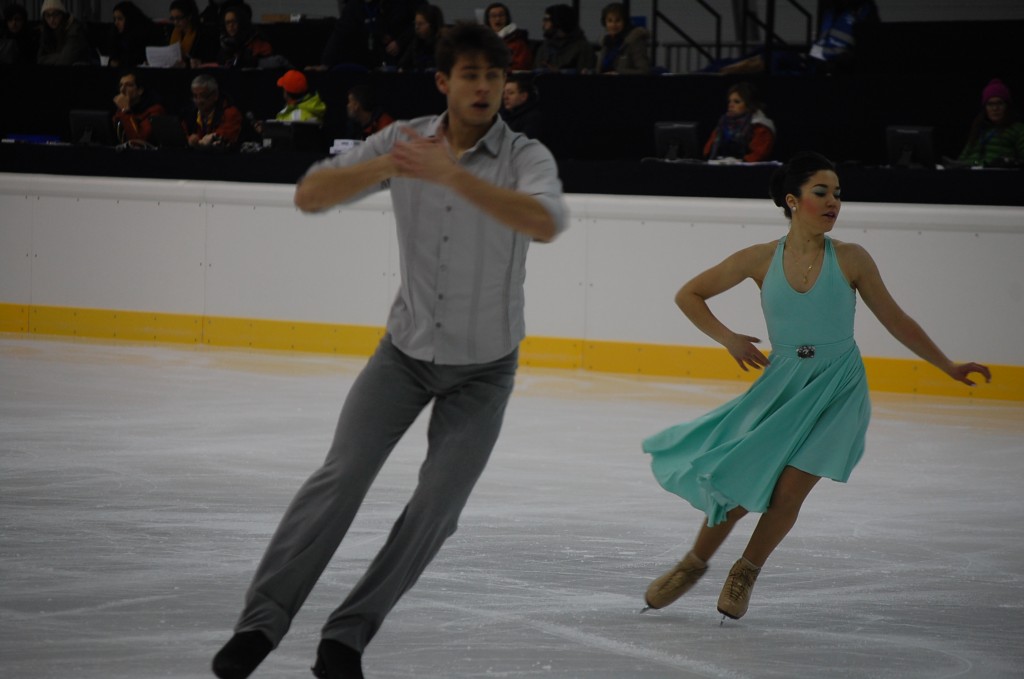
x=513 y=97
x=497 y=19
x=474 y=90
x=353 y=108
x=231 y=24
x=204 y=99
x=129 y=88
x=547 y=27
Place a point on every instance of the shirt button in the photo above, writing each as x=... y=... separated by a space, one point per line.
x=445 y=239
x=441 y=296
x=437 y=325
x=448 y=208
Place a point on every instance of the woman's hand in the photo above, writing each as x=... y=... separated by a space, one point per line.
x=961 y=372
x=741 y=348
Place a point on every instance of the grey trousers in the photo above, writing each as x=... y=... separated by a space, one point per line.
x=469 y=404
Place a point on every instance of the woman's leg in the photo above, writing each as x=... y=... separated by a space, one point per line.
x=710 y=539
x=790 y=492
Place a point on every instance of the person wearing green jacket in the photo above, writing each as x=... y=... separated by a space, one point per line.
x=300 y=104
x=996 y=138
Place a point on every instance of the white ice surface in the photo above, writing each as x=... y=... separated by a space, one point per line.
x=139 y=485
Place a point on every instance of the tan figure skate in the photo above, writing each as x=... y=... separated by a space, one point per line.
x=675 y=582
x=735 y=597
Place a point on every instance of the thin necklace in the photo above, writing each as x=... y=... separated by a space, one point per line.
x=810 y=266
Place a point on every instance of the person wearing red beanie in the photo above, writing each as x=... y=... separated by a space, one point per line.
x=996 y=138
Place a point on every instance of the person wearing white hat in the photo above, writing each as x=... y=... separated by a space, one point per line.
x=63 y=41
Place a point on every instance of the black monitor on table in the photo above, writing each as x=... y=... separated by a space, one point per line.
x=677 y=140
x=168 y=132
x=91 y=127
x=910 y=146
x=288 y=135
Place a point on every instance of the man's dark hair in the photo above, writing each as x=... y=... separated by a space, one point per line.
x=468 y=37
x=563 y=18
x=525 y=83
x=365 y=96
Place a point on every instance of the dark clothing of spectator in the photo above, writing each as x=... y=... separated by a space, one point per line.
x=66 y=45
x=129 y=48
x=366 y=28
x=572 y=52
x=18 y=48
x=244 y=50
x=525 y=118
x=627 y=53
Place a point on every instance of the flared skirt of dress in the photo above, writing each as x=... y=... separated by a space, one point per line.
x=811 y=414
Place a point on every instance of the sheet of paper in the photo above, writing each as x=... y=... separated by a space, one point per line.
x=163 y=57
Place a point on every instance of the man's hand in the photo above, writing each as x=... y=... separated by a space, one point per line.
x=427 y=158
x=122 y=102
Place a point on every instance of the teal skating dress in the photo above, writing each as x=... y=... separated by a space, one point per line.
x=809 y=409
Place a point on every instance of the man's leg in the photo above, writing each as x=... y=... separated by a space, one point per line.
x=383 y=402
x=464 y=427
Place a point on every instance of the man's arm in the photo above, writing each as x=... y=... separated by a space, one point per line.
x=330 y=186
x=430 y=159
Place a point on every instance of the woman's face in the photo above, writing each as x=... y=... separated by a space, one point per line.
x=422 y=27
x=231 y=24
x=613 y=24
x=995 y=110
x=734 y=105
x=119 y=21
x=53 y=18
x=818 y=205
x=497 y=19
x=179 y=19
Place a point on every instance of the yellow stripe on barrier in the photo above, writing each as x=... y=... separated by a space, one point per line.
x=884 y=374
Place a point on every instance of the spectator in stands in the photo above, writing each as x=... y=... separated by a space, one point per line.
x=135 y=109
x=521 y=105
x=744 y=132
x=213 y=13
x=214 y=121
x=18 y=44
x=834 y=48
x=841 y=20
x=198 y=42
x=63 y=40
x=133 y=31
x=996 y=138
x=499 y=18
x=625 y=48
x=419 y=55
x=371 y=33
x=364 y=113
x=300 y=104
x=241 y=45
x=565 y=46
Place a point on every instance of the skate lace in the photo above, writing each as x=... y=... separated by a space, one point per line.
x=681 y=576
x=740 y=583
